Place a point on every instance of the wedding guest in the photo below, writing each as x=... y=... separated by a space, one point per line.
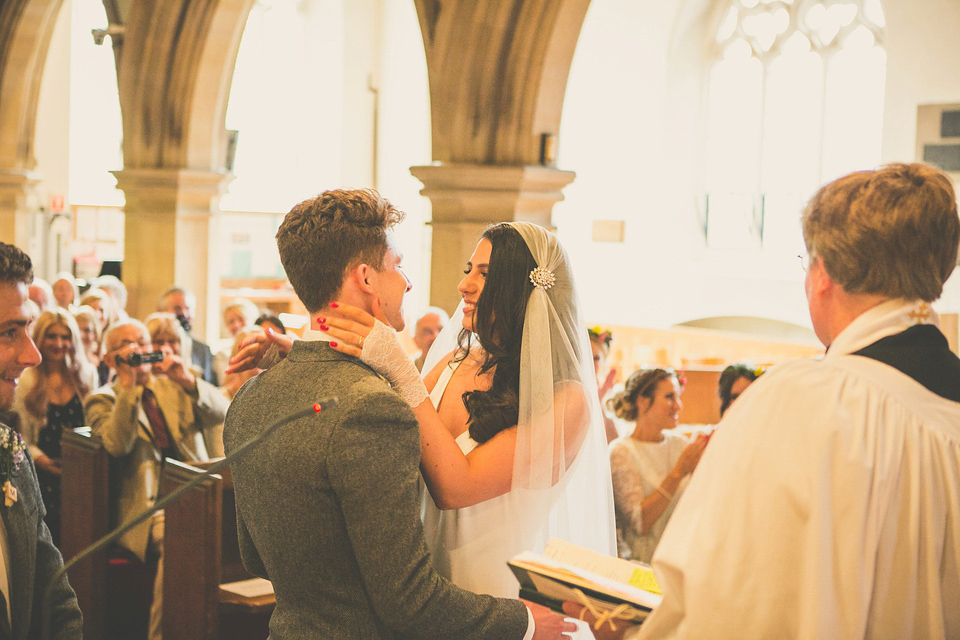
x=650 y=467
x=168 y=336
x=425 y=331
x=270 y=321
x=142 y=419
x=41 y=293
x=239 y=314
x=117 y=291
x=734 y=380
x=49 y=399
x=90 y=335
x=183 y=303
x=600 y=340
x=99 y=300
x=65 y=291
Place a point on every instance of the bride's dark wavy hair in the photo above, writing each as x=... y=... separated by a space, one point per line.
x=498 y=322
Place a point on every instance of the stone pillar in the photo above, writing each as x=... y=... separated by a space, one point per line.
x=171 y=238
x=467 y=198
x=18 y=198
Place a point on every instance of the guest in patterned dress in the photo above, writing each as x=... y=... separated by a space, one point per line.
x=650 y=466
x=49 y=399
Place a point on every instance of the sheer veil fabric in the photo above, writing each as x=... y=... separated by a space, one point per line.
x=561 y=472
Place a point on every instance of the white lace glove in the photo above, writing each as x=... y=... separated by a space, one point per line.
x=382 y=351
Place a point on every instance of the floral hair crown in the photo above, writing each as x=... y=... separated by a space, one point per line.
x=601 y=335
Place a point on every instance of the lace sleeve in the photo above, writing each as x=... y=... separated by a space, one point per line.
x=628 y=491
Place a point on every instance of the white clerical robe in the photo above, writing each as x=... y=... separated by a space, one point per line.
x=827 y=505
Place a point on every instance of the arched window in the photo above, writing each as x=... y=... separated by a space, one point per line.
x=795 y=99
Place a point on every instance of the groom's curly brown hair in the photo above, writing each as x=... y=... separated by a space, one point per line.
x=325 y=237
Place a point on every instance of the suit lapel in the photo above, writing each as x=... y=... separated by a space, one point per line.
x=5 y=631
x=21 y=543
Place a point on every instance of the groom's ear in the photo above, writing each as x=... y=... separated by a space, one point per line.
x=364 y=279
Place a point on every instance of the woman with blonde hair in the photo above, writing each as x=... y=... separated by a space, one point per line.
x=238 y=315
x=167 y=335
x=101 y=303
x=90 y=337
x=49 y=399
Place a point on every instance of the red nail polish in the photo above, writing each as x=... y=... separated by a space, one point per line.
x=324 y=327
x=321 y=320
x=333 y=344
x=334 y=305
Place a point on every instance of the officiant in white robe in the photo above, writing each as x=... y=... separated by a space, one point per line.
x=827 y=504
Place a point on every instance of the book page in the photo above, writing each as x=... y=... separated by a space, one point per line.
x=635 y=575
x=565 y=572
x=252 y=588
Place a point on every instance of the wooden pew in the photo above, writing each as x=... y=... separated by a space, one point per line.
x=201 y=552
x=113 y=587
x=85 y=519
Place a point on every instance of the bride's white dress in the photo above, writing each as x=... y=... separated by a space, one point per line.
x=471 y=545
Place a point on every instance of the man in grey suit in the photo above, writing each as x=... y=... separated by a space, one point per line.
x=327 y=506
x=28 y=558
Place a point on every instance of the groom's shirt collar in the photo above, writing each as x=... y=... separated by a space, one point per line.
x=315 y=335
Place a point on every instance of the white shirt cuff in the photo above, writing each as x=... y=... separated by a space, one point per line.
x=531 y=625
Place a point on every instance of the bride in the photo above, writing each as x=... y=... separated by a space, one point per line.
x=513 y=445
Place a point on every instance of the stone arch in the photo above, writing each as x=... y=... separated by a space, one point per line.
x=498 y=72
x=26 y=27
x=175 y=68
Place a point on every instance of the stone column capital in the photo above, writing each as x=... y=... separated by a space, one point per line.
x=18 y=199
x=18 y=181
x=180 y=190
x=467 y=198
x=492 y=193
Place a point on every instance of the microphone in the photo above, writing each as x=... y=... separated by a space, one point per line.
x=315 y=408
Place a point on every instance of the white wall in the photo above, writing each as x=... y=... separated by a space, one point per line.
x=631 y=130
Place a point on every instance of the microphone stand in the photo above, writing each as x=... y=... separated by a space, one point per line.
x=317 y=407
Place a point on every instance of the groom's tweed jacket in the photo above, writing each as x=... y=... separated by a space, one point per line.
x=327 y=509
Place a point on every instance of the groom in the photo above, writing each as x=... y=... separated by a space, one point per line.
x=327 y=507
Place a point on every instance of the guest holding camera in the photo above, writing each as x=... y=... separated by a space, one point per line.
x=144 y=418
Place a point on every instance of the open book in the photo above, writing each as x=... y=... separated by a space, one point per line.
x=605 y=581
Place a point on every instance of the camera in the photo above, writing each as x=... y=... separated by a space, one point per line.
x=137 y=359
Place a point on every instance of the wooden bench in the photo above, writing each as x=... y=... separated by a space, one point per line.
x=113 y=587
x=201 y=552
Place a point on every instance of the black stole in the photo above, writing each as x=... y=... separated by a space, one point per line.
x=922 y=353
